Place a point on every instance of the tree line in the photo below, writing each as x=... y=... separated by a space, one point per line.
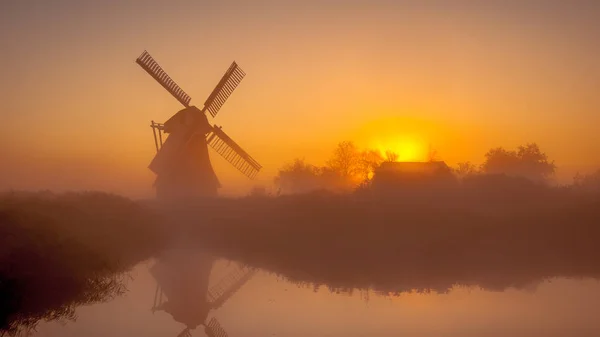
x=349 y=167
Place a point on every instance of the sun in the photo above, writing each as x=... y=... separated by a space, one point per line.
x=408 y=149
x=408 y=137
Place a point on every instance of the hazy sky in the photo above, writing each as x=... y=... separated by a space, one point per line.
x=464 y=76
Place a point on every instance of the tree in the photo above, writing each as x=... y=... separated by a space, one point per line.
x=332 y=180
x=432 y=154
x=258 y=191
x=298 y=177
x=301 y=177
x=588 y=182
x=345 y=160
x=369 y=160
x=527 y=161
x=391 y=156
x=534 y=162
x=465 y=169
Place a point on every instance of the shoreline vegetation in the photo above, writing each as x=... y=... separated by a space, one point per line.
x=59 y=251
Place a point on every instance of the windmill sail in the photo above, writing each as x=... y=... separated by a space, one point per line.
x=214 y=329
x=151 y=67
x=233 y=76
x=185 y=333
x=229 y=285
x=232 y=152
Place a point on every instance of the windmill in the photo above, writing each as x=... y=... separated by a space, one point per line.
x=183 y=278
x=182 y=164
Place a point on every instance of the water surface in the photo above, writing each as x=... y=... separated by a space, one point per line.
x=268 y=305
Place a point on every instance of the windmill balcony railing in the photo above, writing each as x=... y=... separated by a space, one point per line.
x=158 y=141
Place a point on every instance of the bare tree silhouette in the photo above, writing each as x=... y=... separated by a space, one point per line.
x=345 y=160
x=369 y=161
x=391 y=156
x=465 y=169
x=347 y=168
x=432 y=154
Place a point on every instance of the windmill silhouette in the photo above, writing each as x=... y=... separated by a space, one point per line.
x=182 y=164
x=183 y=278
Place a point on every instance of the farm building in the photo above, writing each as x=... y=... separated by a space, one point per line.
x=403 y=175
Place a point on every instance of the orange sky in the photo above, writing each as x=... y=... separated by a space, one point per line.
x=76 y=107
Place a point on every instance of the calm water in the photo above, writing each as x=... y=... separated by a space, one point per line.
x=267 y=305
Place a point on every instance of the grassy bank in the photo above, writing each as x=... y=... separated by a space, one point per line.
x=61 y=251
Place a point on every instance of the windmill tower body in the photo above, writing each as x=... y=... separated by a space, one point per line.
x=182 y=163
x=182 y=166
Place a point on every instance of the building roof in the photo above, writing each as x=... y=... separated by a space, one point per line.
x=412 y=167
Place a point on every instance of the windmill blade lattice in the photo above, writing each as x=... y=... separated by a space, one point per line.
x=233 y=76
x=229 y=285
x=232 y=152
x=151 y=67
x=185 y=333
x=214 y=329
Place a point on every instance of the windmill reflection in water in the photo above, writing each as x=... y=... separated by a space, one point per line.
x=184 y=290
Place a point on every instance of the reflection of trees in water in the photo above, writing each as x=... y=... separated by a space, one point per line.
x=24 y=307
x=430 y=272
x=440 y=284
x=59 y=251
